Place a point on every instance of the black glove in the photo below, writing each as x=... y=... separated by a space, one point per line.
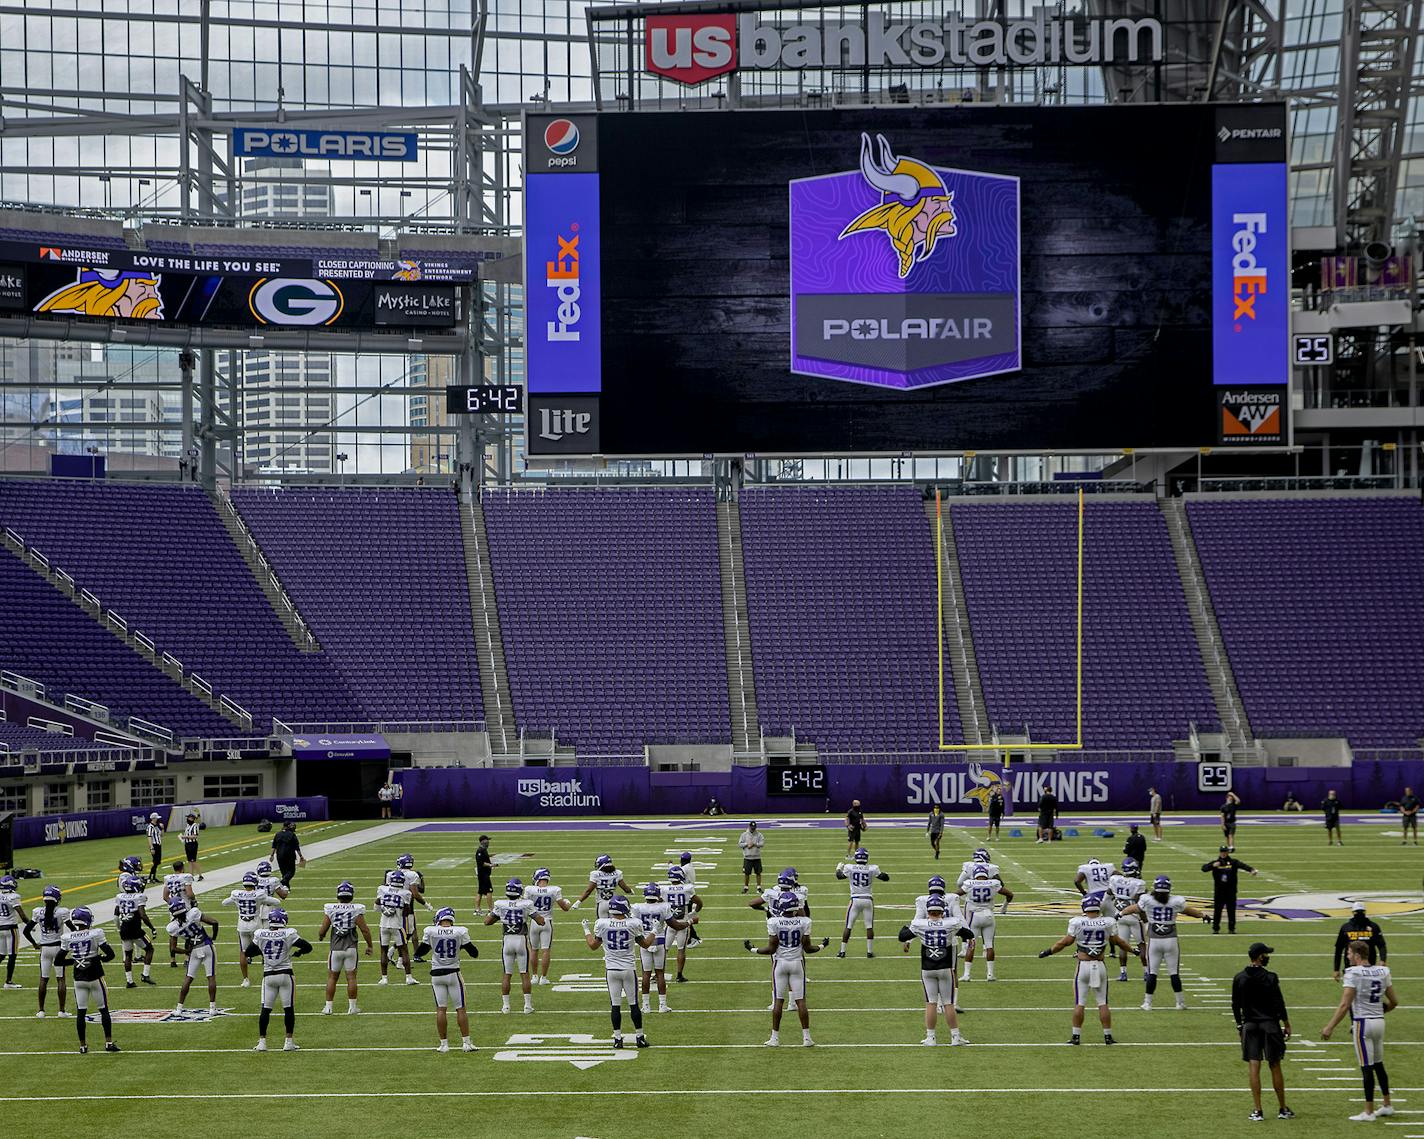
x=1045 y=953
x=747 y=945
x=825 y=941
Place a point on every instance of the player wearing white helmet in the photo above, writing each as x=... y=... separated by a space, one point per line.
x=607 y=879
x=46 y=926
x=343 y=919
x=131 y=915
x=979 y=894
x=391 y=900
x=618 y=935
x=1091 y=935
x=862 y=875
x=444 y=941
x=788 y=941
x=939 y=934
x=252 y=903
x=12 y=916
x=86 y=949
x=682 y=898
x=981 y=859
x=515 y=912
x=277 y=945
x=1159 y=911
x=1126 y=887
x=190 y=923
x=543 y=896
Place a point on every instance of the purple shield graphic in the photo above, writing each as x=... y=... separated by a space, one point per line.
x=904 y=275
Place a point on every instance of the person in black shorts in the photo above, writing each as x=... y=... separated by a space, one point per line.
x=1264 y=1025
x=1409 y=816
x=855 y=824
x=190 y=844
x=1047 y=813
x=485 y=886
x=1228 y=820
x=996 y=811
x=1331 y=806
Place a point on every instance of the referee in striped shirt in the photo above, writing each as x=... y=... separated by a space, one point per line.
x=190 y=844
x=155 y=843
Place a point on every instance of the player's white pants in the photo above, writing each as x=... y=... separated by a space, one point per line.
x=278 y=988
x=1369 y=1040
x=392 y=935
x=135 y=947
x=47 y=966
x=1090 y=983
x=88 y=993
x=516 y=953
x=983 y=923
x=788 y=979
x=342 y=960
x=1130 y=929
x=602 y=908
x=1163 y=955
x=449 y=990
x=541 y=936
x=677 y=938
x=860 y=909
x=654 y=958
x=939 y=986
x=622 y=985
x=9 y=940
x=202 y=960
x=244 y=937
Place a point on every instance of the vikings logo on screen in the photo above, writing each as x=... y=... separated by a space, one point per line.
x=904 y=274
x=124 y=293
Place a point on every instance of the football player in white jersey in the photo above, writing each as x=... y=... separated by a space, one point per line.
x=618 y=935
x=1093 y=878
x=252 y=903
x=86 y=949
x=12 y=916
x=1368 y=996
x=543 y=896
x=391 y=900
x=1126 y=887
x=1159 y=911
x=939 y=935
x=443 y=941
x=277 y=945
x=786 y=883
x=47 y=924
x=683 y=898
x=659 y=917
x=192 y=926
x=980 y=859
x=1091 y=934
x=415 y=883
x=607 y=879
x=862 y=875
x=979 y=894
x=514 y=912
x=131 y=916
x=788 y=941
x=269 y=883
x=178 y=884
x=343 y=919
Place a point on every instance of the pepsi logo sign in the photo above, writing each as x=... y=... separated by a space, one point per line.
x=561 y=139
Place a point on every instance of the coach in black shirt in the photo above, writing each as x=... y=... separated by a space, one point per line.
x=1224 y=873
x=1228 y=820
x=1047 y=814
x=1360 y=928
x=1331 y=806
x=1264 y=1025
x=287 y=851
x=1136 y=846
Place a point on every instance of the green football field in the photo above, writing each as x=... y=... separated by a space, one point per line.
x=707 y=1071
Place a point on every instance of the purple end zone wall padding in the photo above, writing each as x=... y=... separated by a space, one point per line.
x=47 y=830
x=958 y=787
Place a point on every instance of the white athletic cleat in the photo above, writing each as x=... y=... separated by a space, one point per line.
x=807 y=1042
x=774 y=1042
x=63 y=1015
x=261 y=1046
x=1364 y=1117
x=12 y=986
x=354 y=1010
x=1385 y=1110
x=444 y=1046
x=663 y=1007
x=246 y=983
x=1181 y=1003
x=929 y=1041
x=383 y=981
x=528 y=1009
x=467 y=1046
x=326 y=1010
x=409 y=980
x=40 y=1015
x=290 y=1046
x=957 y=1042
x=645 y=1007
x=1147 y=1005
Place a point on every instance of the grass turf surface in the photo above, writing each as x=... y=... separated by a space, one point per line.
x=868 y=1075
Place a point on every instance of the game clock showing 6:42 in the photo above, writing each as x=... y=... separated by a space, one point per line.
x=802 y=779
x=485 y=399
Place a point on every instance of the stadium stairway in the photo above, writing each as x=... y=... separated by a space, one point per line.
x=262 y=572
x=489 y=641
x=959 y=638
x=736 y=633
x=1220 y=678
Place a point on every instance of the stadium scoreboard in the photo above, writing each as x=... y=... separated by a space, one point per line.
x=798 y=779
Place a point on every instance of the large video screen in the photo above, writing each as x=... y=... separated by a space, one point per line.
x=907 y=279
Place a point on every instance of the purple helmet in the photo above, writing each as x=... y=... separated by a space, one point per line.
x=52 y=894
x=178 y=907
x=83 y=917
x=542 y=874
x=652 y=890
x=787 y=903
x=345 y=892
x=264 y=867
x=981 y=872
x=514 y=888
x=1131 y=866
x=935 y=885
x=250 y=880
x=129 y=884
x=618 y=906
x=935 y=902
x=685 y=857
x=981 y=855
x=446 y=913
x=862 y=855
x=602 y=862
x=1092 y=903
x=406 y=862
x=786 y=879
x=7 y=883
x=675 y=874
x=1161 y=883
x=277 y=918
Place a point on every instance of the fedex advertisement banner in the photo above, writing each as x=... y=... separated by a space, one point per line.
x=563 y=346
x=1250 y=274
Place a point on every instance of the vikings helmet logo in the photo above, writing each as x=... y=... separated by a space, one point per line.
x=915 y=210
x=984 y=784
x=127 y=293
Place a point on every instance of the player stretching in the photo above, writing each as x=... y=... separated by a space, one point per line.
x=658 y=917
x=683 y=899
x=252 y=904
x=12 y=914
x=50 y=919
x=414 y=881
x=979 y=894
x=618 y=934
x=1126 y=888
x=981 y=858
x=1092 y=934
x=514 y=912
x=277 y=945
x=788 y=942
x=391 y=900
x=1093 y=877
x=862 y=875
x=544 y=897
x=1159 y=911
x=179 y=884
x=343 y=919
x=131 y=914
x=607 y=879
x=1368 y=996
x=190 y=924
x=937 y=934
x=269 y=882
x=443 y=941
x=87 y=948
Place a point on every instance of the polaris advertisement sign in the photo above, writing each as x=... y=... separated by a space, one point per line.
x=363 y=146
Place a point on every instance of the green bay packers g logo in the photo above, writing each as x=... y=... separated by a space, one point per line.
x=294 y=301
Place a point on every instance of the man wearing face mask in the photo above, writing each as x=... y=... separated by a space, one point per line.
x=1264 y=1025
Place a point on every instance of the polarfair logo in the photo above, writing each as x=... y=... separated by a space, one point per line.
x=560 y=793
x=693 y=49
